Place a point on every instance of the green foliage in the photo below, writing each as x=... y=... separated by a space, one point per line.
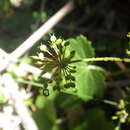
x=5 y=6
x=10 y=36
x=90 y=81
x=83 y=47
x=70 y=107
x=72 y=72
x=96 y=118
x=45 y=115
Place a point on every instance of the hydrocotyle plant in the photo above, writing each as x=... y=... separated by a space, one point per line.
x=61 y=58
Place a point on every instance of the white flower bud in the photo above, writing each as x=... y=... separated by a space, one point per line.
x=43 y=48
x=41 y=56
x=53 y=38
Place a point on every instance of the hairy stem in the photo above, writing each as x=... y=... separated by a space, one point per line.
x=105 y=59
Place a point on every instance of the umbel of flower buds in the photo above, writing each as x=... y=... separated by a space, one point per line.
x=53 y=60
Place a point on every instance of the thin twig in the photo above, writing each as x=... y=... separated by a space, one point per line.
x=36 y=36
x=3 y=54
x=26 y=67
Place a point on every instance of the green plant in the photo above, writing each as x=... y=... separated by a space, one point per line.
x=63 y=58
x=70 y=64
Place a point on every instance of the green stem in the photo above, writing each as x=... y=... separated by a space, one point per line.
x=105 y=59
x=30 y=83
x=110 y=102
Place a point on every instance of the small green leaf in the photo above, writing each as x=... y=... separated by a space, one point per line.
x=90 y=83
x=82 y=46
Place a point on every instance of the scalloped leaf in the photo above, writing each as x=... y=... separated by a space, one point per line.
x=90 y=83
x=82 y=46
x=90 y=80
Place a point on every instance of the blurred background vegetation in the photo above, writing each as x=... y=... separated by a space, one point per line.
x=105 y=23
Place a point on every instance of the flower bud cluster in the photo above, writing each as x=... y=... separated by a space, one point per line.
x=53 y=59
x=122 y=115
